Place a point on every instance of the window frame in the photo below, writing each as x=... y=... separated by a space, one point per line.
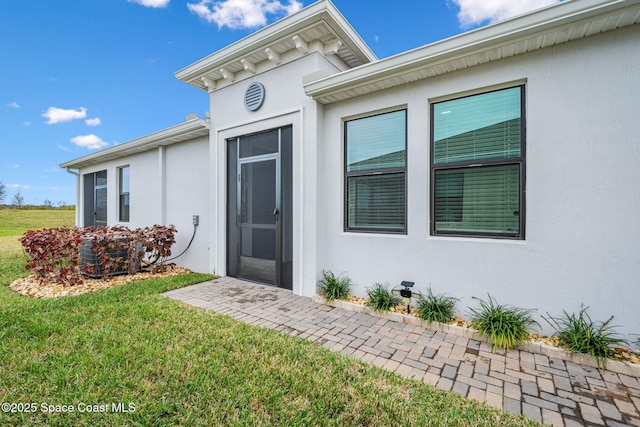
x=121 y=193
x=520 y=161
x=374 y=172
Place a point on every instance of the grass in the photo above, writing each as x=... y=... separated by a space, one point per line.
x=14 y=222
x=505 y=326
x=186 y=366
x=579 y=334
x=380 y=298
x=436 y=308
x=180 y=365
x=334 y=287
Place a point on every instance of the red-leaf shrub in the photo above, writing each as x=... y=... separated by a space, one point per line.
x=157 y=242
x=53 y=254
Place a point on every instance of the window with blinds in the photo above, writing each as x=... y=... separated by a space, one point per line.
x=375 y=173
x=477 y=178
x=124 y=201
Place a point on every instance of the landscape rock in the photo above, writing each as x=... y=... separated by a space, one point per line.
x=31 y=286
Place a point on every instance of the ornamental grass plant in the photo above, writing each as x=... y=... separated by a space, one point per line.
x=380 y=298
x=579 y=334
x=333 y=287
x=436 y=308
x=505 y=326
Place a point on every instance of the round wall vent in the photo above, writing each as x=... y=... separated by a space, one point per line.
x=254 y=96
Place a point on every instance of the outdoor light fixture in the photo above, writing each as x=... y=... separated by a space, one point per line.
x=406 y=293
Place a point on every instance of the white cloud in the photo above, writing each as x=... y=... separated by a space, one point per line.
x=54 y=188
x=16 y=166
x=151 y=3
x=238 y=14
x=63 y=148
x=93 y=122
x=26 y=124
x=58 y=115
x=90 y=141
x=475 y=12
x=13 y=104
x=19 y=186
x=52 y=169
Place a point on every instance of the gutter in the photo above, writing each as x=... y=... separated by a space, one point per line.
x=445 y=53
x=72 y=172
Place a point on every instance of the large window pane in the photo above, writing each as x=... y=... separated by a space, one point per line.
x=375 y=173
x=377 y=202
x=478 y=200
x=477 y=127
x=124 y=200
x=376 y=142
x=478 y=165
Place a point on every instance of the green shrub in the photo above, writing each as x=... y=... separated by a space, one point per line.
x=381 y=298
x=436 y=308
x=333 y=287
x=579 y=334
x=506 y=326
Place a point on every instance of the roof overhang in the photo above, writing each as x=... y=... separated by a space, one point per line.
x=319 y=27
x=569 y=20
x=192 y=128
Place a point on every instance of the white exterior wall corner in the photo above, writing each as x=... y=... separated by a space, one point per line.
x=285 y=104
x=187 y=189
x=582 y=238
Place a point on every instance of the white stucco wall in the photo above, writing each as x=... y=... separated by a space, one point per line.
x=144 y=189
x=582 y=155
x=187 y=190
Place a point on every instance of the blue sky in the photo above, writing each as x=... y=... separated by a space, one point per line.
x=80 y=75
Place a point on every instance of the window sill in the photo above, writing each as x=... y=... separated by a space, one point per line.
x=376 y=234
x=501 y=240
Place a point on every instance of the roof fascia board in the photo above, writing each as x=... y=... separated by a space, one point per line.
x=321 y=11
x=476 y=41
x=184 y=130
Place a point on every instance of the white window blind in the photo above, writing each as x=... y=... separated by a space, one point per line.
x=478 y=165
x=375 y=173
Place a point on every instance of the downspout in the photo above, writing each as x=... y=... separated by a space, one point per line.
x=77 y=174
x=162 y=178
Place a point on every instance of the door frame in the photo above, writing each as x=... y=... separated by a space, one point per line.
x=283 y=267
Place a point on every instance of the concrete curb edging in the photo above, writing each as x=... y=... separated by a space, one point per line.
x=616 y=366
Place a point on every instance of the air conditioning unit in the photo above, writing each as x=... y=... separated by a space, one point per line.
x=90 y=266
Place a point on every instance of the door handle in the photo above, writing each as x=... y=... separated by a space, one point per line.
x=276 y=212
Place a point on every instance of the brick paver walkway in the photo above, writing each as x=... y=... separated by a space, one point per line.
x=543 y=388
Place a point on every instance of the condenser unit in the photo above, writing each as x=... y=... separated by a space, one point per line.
x=90 y=266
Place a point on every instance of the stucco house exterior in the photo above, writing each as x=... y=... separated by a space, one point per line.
x=502 y=161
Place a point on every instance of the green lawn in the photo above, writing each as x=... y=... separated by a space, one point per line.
x=171 y=364
x=14 y=222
